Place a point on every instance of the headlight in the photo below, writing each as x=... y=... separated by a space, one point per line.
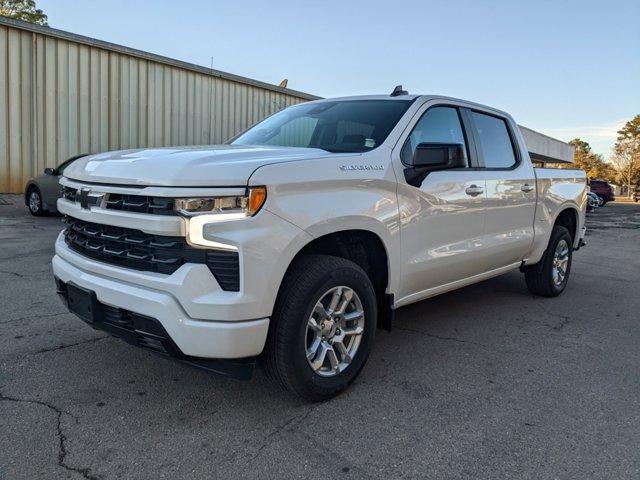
x=203 y=211
x=223 y=208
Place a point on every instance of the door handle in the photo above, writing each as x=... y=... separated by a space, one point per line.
x=473 y=190
x=526 y=188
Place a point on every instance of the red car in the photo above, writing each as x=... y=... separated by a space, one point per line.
x=603 y=190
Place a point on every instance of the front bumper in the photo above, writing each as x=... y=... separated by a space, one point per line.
x=193 y=337
x=148 y=333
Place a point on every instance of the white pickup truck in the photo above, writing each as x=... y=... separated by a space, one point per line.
x=294 y=241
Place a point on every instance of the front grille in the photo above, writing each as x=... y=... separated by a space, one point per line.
x=140 y=204
x=69 y=193
x=135 y=249
x=130 y=203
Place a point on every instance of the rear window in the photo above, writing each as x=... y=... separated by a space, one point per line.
x=495 y=141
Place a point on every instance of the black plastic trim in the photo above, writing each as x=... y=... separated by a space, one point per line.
x=143 y=332
x=472 y=138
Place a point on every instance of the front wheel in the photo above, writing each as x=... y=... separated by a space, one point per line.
x=323 y=327
x=35 y=202
x=549 y=276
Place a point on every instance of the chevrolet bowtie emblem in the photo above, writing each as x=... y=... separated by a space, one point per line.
x=86 y=198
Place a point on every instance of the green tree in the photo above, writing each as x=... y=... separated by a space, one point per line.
x=23 y=10
x=626 y=156
x=592 y=163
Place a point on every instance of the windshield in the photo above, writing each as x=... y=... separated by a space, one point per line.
x=335 y=126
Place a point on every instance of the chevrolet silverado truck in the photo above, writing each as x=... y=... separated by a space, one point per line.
x=292 y=243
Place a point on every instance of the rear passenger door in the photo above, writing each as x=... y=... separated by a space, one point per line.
x=510 y=189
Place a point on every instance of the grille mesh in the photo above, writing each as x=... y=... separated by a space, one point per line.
x=141 y=251
x=140 y=204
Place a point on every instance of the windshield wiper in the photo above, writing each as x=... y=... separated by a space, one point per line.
x=340 y=150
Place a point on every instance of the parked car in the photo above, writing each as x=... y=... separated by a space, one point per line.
x=593 y=201
x=603 y=190
x=296 y=240
x=42 y=192
x=636 y=196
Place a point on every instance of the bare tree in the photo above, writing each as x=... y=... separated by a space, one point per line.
x=626 y=156
x=628 y=169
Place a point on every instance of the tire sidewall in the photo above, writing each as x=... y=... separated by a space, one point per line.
x=559 y=233
x=300 y=368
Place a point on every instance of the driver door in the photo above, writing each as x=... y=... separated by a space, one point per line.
x=442 y=216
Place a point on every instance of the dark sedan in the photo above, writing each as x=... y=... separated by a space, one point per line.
x=42 y=192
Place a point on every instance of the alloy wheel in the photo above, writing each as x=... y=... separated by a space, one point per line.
x=334 y=331
x=560 y=262
x=34 y=201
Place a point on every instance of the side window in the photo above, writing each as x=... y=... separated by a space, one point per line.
x=495 y=141
x=437 y=125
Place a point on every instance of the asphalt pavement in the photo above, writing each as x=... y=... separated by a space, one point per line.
x=484 y=382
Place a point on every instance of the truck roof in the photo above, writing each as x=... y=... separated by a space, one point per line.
x=410 y=98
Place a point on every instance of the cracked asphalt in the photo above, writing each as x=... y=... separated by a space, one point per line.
x=485 y=382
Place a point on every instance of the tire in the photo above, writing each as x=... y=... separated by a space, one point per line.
x=34 y=202
x=603 y=201
x=541 y=278
x=292 y=336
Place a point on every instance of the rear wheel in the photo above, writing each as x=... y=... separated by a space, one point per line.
x=34 y=202
x=550 y=275
x=323 y=327
x=601 y=201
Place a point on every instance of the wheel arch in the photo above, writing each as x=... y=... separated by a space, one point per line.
x=27 y=189
x=365 y=247
x=568 y=217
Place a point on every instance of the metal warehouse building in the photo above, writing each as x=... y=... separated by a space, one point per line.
x=63 y=94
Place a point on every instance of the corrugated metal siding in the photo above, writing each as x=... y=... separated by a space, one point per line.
x=60 y=97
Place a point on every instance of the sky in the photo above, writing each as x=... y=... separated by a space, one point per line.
x=564 y=68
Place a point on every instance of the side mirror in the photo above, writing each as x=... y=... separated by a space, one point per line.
x=438 y=156
x=50 y=171
x=430 y=157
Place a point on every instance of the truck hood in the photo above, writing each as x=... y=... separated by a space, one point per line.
x=193 y=166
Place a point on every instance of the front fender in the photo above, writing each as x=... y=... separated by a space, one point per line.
x=321 y=198
x=30 y=182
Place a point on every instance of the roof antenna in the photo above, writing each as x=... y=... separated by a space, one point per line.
x=399 y=91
